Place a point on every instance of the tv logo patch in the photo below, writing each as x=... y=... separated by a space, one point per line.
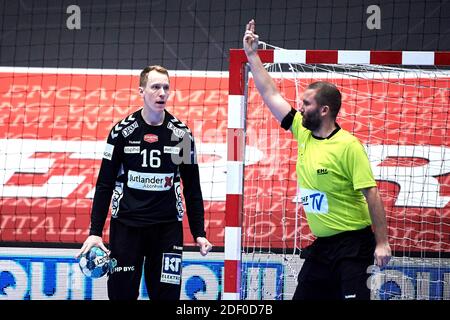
x=314 y=201
x=171 y=268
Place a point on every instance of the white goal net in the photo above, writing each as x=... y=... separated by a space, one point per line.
x=401 y=115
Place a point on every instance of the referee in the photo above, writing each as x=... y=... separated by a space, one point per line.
x=339 y=193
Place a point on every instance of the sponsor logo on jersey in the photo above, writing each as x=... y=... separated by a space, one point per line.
x=119 y=126
x=132 y=149
x=124 y=269
x=176 y=131
x=168 y=182
x=134 y=142
x=172 y=150
x=171 y=268
x=150 y=138
x=129 y=130
x=115 y=199
x=179 y=201
x=314 y=201
x=322 y=171
x=150 y=181
x=109 y=149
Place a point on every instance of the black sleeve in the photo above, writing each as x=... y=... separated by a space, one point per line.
x=192 y=192
x=286 y=123
x=107 y=176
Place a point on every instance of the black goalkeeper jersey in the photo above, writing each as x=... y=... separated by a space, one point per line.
x=140 y=176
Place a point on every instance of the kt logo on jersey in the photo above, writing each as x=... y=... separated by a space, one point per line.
x=171 y=268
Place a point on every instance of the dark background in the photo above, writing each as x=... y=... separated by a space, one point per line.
x=197 y=34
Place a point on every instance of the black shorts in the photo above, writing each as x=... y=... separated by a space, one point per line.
x=157 y=249
x=336 y=267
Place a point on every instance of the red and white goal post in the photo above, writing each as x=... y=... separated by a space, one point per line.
x=397 y=104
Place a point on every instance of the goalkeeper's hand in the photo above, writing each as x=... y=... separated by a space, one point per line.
x=92 y=241
x=204 y=244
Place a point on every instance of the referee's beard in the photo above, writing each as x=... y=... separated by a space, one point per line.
x=312 y=121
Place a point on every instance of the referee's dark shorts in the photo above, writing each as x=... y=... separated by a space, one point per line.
x=335 y=267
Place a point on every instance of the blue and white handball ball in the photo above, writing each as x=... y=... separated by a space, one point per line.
x=95 y=263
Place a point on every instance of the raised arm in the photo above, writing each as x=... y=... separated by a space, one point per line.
x=264 y=83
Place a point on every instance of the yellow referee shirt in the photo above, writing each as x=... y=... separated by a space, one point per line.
x=330 y=173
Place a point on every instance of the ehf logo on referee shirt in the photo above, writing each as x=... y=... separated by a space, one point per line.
x=171 y=268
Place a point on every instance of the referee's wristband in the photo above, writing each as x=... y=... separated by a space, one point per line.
x=286 y=123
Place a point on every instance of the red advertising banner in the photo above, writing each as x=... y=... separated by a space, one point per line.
x=54 y=127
